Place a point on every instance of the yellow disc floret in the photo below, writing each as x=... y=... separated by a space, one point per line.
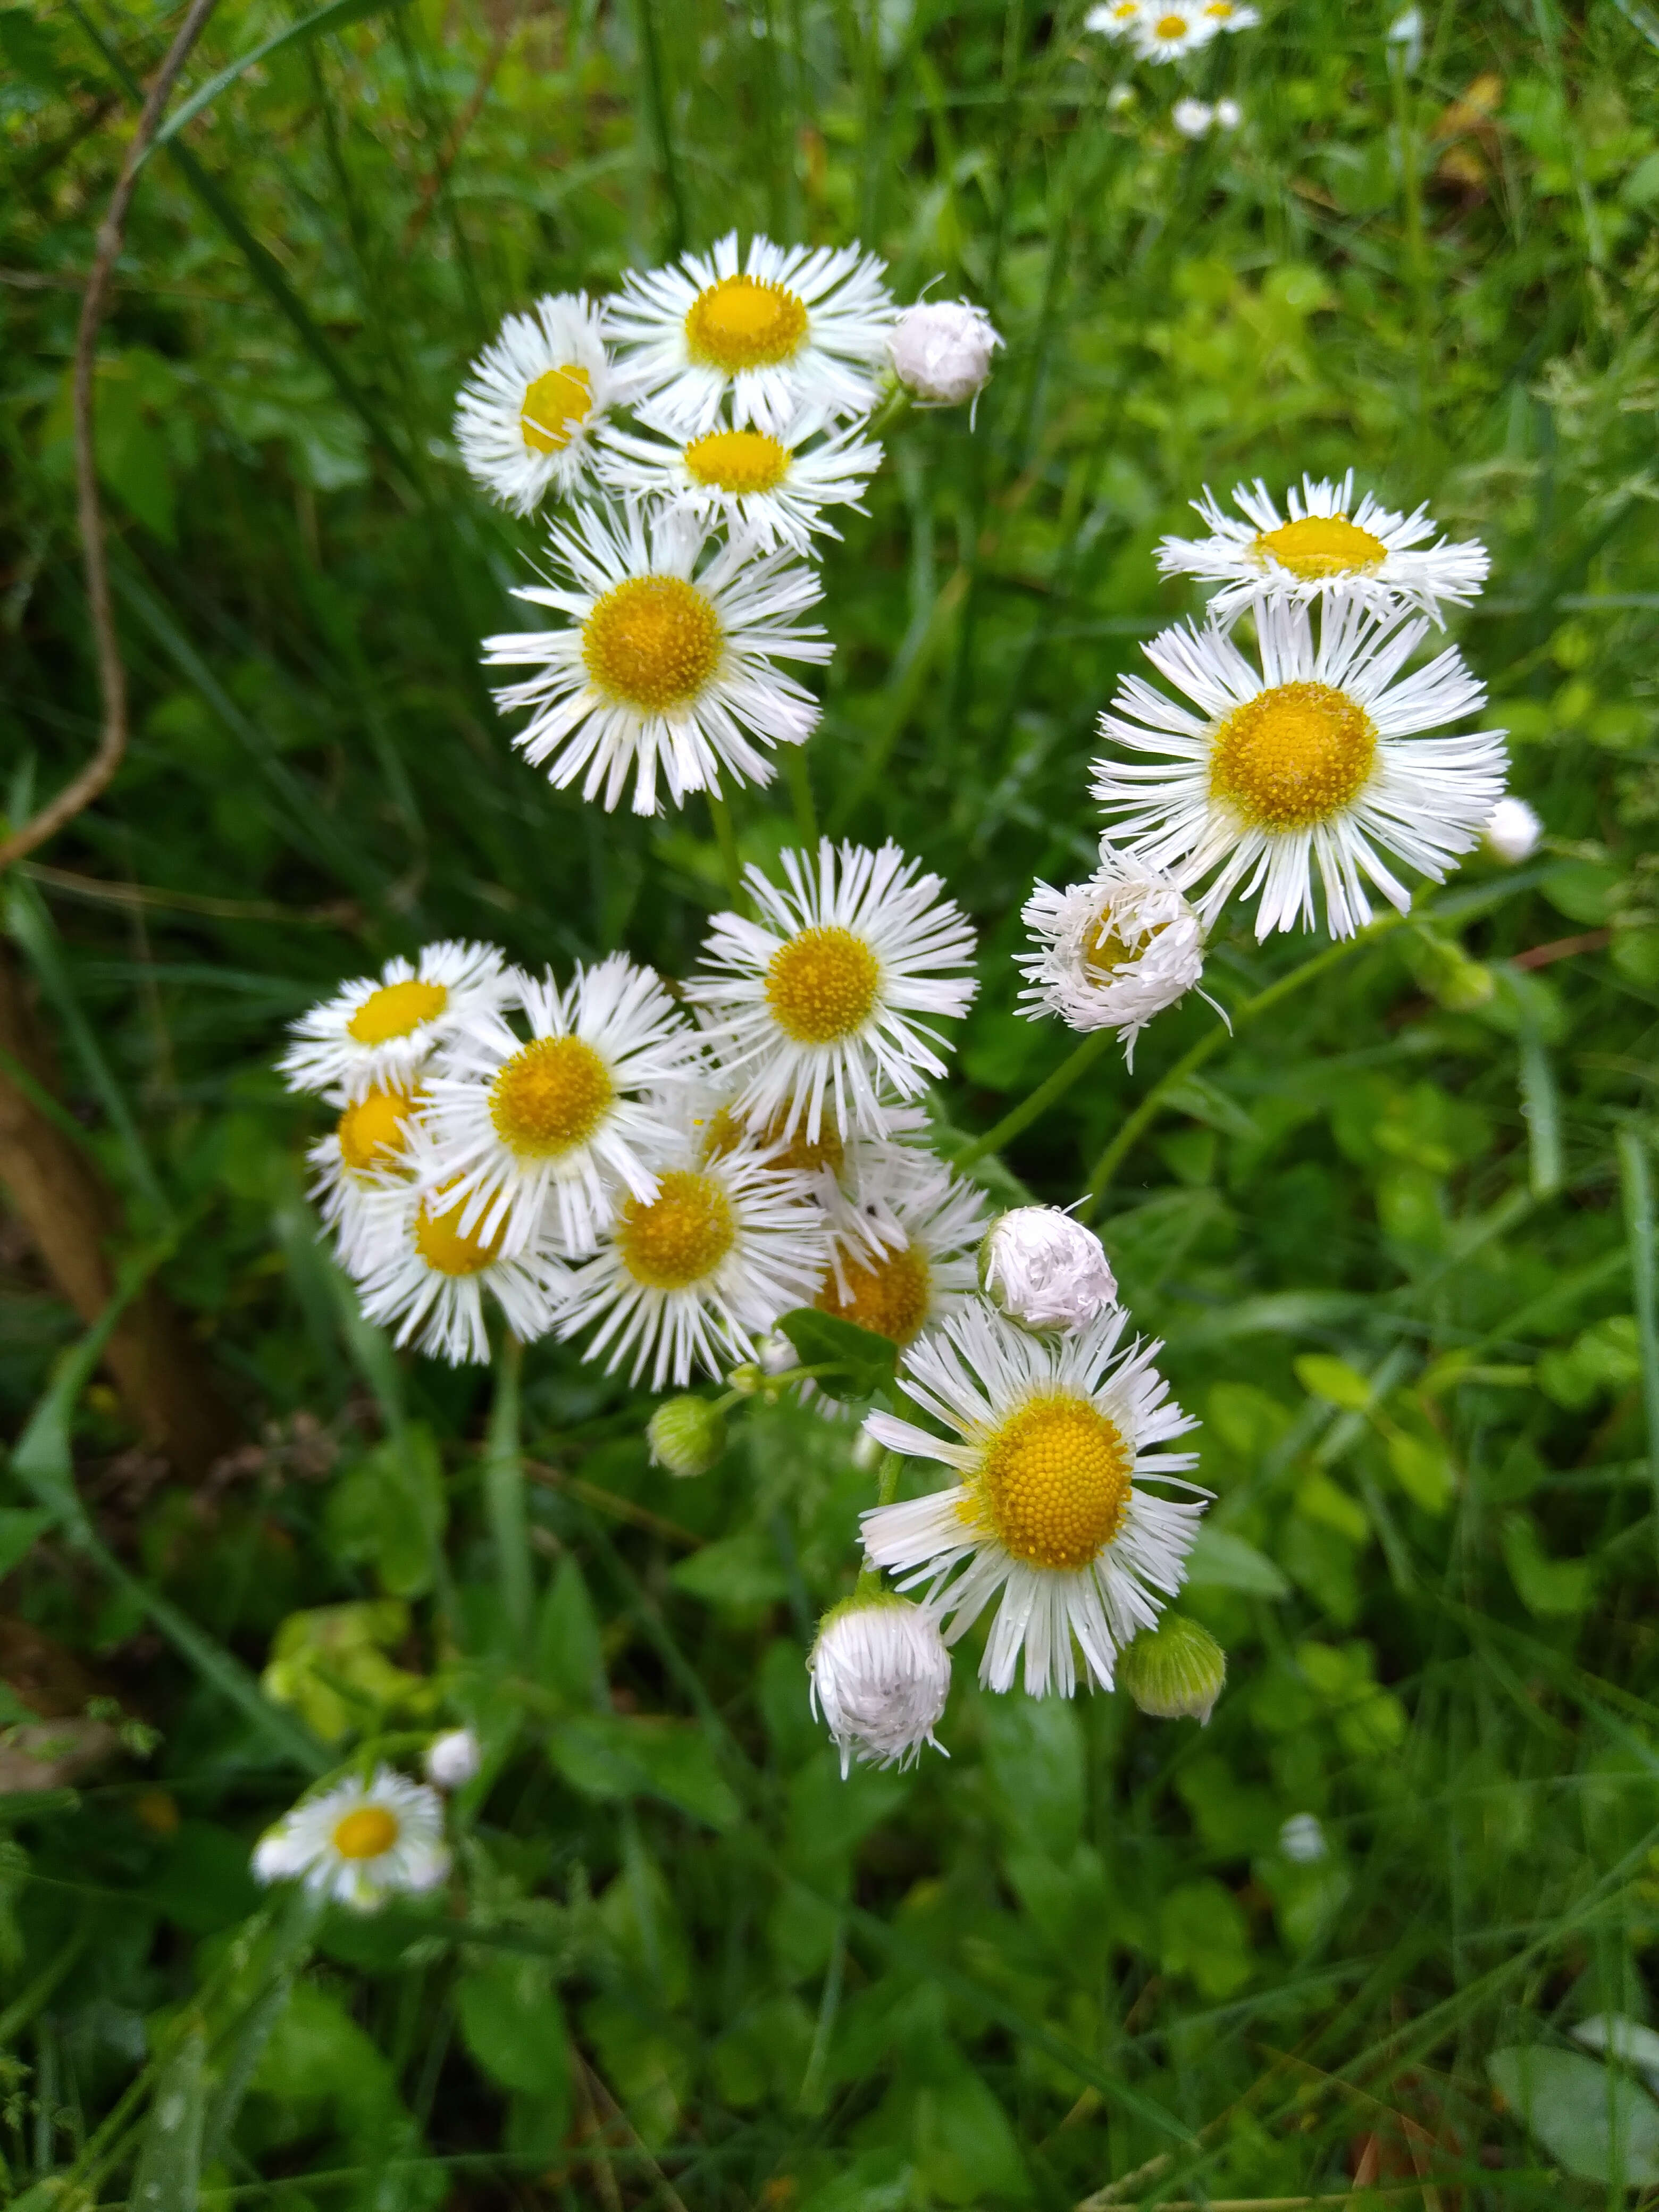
x=1322 y=545
x=554 y=407
x=652 y=642
x=397 y=1009
x=1054 y=1484
x=681 y=1235
x=368 y=1833
x=1293 y=756
x=738 y=461
x=549 y=1097
x=371 y=1132
x=889 y=1295
x=1170 y=27
x=742 y=323
x=439 y=1241
x=821 y=984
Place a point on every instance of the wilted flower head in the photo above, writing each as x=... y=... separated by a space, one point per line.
x=880 y=1677
x=1514 y=830
x=942 y=351
x=1045 y=1270
x=1111 y=952
x=454 y=1759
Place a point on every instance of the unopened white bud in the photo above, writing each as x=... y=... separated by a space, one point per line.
x=454 y=1758
x=1174 y=1671
x=1228 y=115
x=1044 y=1270
x=686 y=1435
x=1302 y=1840
x=1513 y=831
x=880 y=1675
x=1192 y=118
x=777 y=1354
x=942 y=350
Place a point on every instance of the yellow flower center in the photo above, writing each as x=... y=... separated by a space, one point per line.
x=439 y=1241
x=653 y=641
x=395 y=1010
x=1322 y=545
x=553 y=407
x=741 y=323
x=1103 y=949
x=681 y=1235
x=889 y=1295
x=368 y=1833
x=549 y=1097
x=1171 y=27
x=800 y=1154
x=1293 y=756
x=821 y=984
x=1220 y=9
x=1054 y=1484
x=371 y=1134
x=738 y=461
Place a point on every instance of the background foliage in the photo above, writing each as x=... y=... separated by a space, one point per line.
x=1388 y=1241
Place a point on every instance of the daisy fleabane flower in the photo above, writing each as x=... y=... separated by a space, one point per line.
x=367 y=1148
x=376 y=1033
x=1045 y=1270
x=666 y=666
x=1166 y=29
x=817 y=1003
x=525 y=418
x=880 y=1676
x=1051 y=1450
x=559 y=1121
x=904 y=1234
x=360 y=1843
x=775 y=487
x=690 y=1277
x=770 y=331
x=1115 y=18
x=1323 y=544
x=1230 y=14
x=1110 y=953
x=1317 y=760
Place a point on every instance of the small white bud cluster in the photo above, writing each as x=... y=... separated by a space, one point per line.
x=1196 y=118
x=1513 y=832
x=880 y=1675
x=1044 y=1270
x=454 y=1759
x=942 y=349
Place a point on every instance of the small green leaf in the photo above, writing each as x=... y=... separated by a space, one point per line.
x=822 y=1339
x=610 y=1756
x=169 y=2173
x=1594 y=2122
x=1335 y=1381
x=1422 y=1471
x=513 y=2025
x=1220 y=1560
x=743 y=1570
x=20 y=1527
x=1551 y=1588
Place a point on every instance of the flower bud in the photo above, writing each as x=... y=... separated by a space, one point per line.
x=880 y=1675
x=1192 y=118
x=1174 y=1671
x=1302 y=1840
x=1513 y=831
x=1447 y=975
x=1044 y=1270
x=686 y=1435
x=777 y=1354
x=454 y=1758
x=746 y=1378
x=942 y=351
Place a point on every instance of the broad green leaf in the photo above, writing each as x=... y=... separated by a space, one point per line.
x=169 y=2176
x=1335 y=1381
x=20 y=1527
x=1221 y=1560
x=567 y=1655
x=1422 y=1471
x=1553 y=1589
x=743 y=1570
x=613 y=1756
x=512 y=2024
x=1593 y=2120
x=823 y=1339
x=1203 y=1934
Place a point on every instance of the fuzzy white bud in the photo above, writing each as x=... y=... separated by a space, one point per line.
x=942 y=350
x=1302 y=1840
x=1228 y=115
x=880 y=1675
x=454 y=1759
x=1192 y=118
x=1044 y=1270
x=1112 y=952
x=1513 y=832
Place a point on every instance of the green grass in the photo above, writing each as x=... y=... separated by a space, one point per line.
x=1078 y=1947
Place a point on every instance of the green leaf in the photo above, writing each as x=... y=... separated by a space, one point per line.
x=1335 y=1381
x=1221 y=1560
x=513 y=2025
x=1422 y=1471
x=334 y=17
x=390 y=1510
x=20 y=1527
x=822 y=1339
x=743 y=1570
x=1551 y=1588
x=567 y=1653
x=612 y=1756
x=1591 y=2119
x=169 y=2175
x=29 y=49
x=1203 y=1934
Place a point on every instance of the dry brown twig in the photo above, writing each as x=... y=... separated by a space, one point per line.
x=79 y=792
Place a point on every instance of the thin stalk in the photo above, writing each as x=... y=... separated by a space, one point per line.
x=726 y=837
x=869 y=1583
x=504 y=1494
x=1082 y=1056
x=799 y=774
x=1637 y=1183
x=659 y=103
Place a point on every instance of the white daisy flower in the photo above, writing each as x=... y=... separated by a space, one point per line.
x=1325 y=545
x=525 y=418
x=1049 y=1506
x=1115 y=18
x=518 y=1128
x=775 y=488
x=1110 y=953
x=360 y=1843
x=376 y=1033
x=903 y=1241
x=692 y=1277
x=1230 y=14
x=367 y=1148
x=666 y=661
x=1166 y=29
x=880 y=1676
x=778 y=329
x=1316 y=761
x=422 y=1273
x=1045 y=1270
x=815 y=1005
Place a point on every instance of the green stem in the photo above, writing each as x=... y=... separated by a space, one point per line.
x=1637 y=1187
x=665 y=129
x=799 y=776
x=726 y=837
x=890 y=411
x=1158 y=1097
x=1082 y=1056
x=869 y=1583
x=504 y=1497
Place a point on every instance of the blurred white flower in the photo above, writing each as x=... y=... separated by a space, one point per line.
x=1164 y=30
x=1228 y=112
x=454 y=1759
x=1111 y=952
x=360 y=1843
x=880 y=1676
x=1230 y=16
x=1302 y=1840
x=942 y=349
x=1514 y=830
x=1192 y=118
x=1406 y=36
x=1045 y=1270
x=1115 y=18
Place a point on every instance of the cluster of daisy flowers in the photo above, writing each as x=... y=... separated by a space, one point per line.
x=703 y=423
x=1170 y=31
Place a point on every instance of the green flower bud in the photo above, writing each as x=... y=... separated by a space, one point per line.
x=1174 y=1671
x=686 y=1436
x=1448 y=975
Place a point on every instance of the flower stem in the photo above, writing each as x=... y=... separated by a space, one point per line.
x=1082 y=1057
x=869 y=1583
x=890 y=411
x=504 y=1498
x=726 y=837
